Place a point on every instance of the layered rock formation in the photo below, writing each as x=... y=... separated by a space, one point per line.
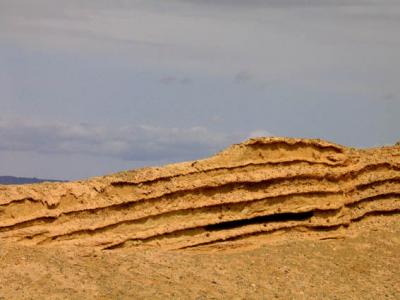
x=259 y=187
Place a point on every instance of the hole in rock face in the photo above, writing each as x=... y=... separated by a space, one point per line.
x=284 y=217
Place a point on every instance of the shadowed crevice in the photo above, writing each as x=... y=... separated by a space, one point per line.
x=285 y=217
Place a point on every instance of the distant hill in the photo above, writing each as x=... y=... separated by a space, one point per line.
x=23 y=180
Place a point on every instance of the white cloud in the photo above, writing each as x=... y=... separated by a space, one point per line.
x=259 y=133
x=136 y=143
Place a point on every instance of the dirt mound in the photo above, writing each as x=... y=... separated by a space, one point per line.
x=265 y=187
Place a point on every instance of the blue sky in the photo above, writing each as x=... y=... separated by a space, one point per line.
x=92 y=87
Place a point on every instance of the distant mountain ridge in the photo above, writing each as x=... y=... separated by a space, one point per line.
x=23 y=180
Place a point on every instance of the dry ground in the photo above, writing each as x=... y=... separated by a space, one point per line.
x=361 y=262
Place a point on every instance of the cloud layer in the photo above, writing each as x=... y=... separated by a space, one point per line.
x=135 y=143
x=202 y=73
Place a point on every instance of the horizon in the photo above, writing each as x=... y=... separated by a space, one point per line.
x=38 y=179
x=93 y=88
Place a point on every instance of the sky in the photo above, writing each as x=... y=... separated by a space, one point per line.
x=93 y=87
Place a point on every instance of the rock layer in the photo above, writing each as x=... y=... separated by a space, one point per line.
x=261 y=186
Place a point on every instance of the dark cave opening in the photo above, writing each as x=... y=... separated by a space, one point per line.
x=283 y=217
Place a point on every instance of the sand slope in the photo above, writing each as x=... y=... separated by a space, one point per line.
x=261 y=187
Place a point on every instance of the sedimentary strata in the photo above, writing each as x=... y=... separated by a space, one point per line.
x=258 y=187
